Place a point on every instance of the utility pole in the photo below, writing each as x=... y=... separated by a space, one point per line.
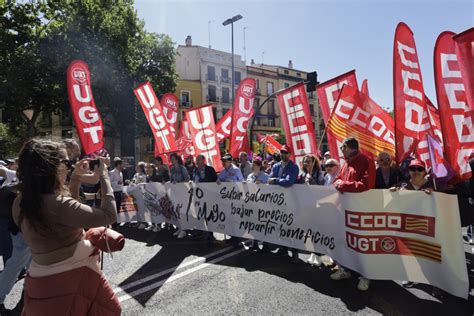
x=209 y=31
x=245 y=48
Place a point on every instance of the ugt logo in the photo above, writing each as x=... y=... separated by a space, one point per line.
x=248 y=91
x=79 y=75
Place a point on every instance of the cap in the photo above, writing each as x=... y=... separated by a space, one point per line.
x=227 y=157
x=285 y=148
x=417 y=163
x=117 y=159
x=10 y=161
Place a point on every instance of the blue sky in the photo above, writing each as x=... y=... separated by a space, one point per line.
x=331 y=37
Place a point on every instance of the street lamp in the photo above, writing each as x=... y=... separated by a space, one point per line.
x=231 y=22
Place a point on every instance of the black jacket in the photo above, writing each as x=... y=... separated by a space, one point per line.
x=395 y=177
x=210 y=175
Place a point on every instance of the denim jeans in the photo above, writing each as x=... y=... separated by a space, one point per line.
x=5 y=240
x=21 y=257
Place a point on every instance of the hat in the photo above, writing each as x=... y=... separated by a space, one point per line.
x=417 y=163
x=227 y=157
x=2 y=163
x=10 y=161
x=285 y=148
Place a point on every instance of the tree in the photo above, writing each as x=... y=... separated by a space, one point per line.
x=108 y=36
x=9 y=143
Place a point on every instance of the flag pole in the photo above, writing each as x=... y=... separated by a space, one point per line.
x=330 y=116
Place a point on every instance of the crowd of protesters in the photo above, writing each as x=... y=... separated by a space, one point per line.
x=55 y=197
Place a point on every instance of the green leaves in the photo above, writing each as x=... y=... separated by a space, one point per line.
x=40 y=38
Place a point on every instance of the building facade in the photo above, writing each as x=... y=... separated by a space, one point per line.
x=213 y=69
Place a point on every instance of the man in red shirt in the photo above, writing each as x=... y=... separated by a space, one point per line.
x=357 y=175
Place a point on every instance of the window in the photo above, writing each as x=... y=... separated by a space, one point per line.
x=269 y=88
x=46 y=120
x=225 y=95
x=211 y=94
x=237 y=77
x=271 y=107
x=286 y=72
x=185 y=98
x=298 y=74
x=257 y=84
x=271 y=122
x=211 y=73
x=225 y=75
x=287 y=85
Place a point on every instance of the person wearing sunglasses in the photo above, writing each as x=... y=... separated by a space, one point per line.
x=418 y=180
x=332 y=171
x=386 y=176
x=52 y=221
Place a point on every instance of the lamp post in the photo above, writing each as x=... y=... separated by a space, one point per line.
x=231 y=22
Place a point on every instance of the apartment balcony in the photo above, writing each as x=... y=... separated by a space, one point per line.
x=212 y=78
x=212 y=99
x=226 y=80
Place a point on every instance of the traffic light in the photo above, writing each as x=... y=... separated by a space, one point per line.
x=311 y=81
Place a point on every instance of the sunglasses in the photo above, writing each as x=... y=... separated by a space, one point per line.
x=68 y=163
x=419 y=169
x=330 y=165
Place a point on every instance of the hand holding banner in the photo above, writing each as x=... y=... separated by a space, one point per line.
x=86 y=117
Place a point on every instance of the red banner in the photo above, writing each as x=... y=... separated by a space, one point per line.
x=241 y=113
x=203 y=135
x=453 y=107
x=272 y=146
x=86 y=117
x=357 y=115
x=223 y=127
x=464 y=45
x=164 y=138
x=184 y=142
x=170 y=104
x=297 y=122
x=328 y=92
x=411 y=117
x=365 y=87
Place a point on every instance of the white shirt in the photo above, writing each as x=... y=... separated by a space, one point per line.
x=116 y=180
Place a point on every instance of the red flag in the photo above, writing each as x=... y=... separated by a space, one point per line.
x=464 y=44
x=296 y=119
x=328 y=93
x=365 y=87
x=241 y=113
x=411 y=117
x=164 y=139
x=271 y=145
x=184 y=142
x=170 y=105
x=357 y=115
x=457 y=118
x=86 y=117
x=203 y=135
x=223 y=126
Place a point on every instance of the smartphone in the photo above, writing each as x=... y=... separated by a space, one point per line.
x=93 y=163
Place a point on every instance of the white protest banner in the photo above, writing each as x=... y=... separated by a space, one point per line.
x=404 y=235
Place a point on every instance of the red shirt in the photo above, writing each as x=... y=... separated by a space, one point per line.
x=357 y=174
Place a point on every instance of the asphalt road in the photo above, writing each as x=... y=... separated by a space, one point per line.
x=156 y=274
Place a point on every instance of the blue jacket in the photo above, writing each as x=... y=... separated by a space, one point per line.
x=289 y=175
